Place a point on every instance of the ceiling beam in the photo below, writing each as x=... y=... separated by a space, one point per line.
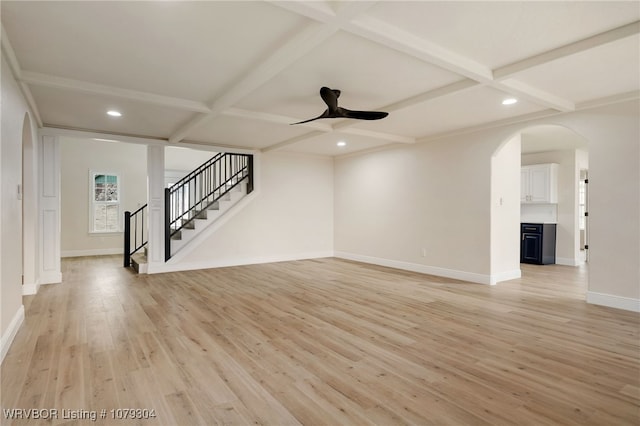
x=566 y=50
x=44 y=80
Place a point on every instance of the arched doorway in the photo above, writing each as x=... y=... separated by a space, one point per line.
x=539 y=145
x=553 y=144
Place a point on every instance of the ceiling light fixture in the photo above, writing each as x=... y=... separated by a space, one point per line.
x=509 y=101
x=114 y=113
x=341 y=144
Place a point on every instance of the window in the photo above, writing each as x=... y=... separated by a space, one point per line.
x=105 y=203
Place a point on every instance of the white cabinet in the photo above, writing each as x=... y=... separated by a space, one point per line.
x=539 y=183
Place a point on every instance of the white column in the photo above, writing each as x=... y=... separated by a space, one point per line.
x=30 y=209
x=49 y=158
x=155 y=191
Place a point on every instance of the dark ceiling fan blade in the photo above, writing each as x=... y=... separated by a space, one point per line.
x=361 y=115
x=325 y=114
x=330 y=97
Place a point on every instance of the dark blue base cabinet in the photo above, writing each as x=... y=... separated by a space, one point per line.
x=538 y=243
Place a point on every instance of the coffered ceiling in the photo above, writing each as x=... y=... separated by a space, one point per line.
x=237 y=73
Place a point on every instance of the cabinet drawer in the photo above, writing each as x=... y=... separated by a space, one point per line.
x=531 y=228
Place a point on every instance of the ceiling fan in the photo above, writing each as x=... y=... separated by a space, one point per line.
x=330 y=97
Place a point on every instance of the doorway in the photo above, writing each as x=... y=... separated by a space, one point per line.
x=554 y=144
x=583 y=214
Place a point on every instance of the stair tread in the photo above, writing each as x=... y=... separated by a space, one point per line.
x=139 y=258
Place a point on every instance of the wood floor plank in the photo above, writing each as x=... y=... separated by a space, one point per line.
x=323 y=342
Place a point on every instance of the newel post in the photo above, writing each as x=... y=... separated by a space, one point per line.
x=250 y=167
x=167 y=224
x=127 y=239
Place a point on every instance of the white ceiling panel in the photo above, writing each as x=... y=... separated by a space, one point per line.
x=241 y=132
x=604 y=70
x=462 y=109
x=181 y=49
x=77 y=110
x=498 y=33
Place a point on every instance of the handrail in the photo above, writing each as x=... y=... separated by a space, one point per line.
x=139 y=233
x=201 y=188
x=199 y=169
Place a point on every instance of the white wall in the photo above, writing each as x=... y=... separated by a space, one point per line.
x=567 y=236
x=613 y=133
x=78 y=156
x=185 y=159
x=435 y=195
x=505 y=211
x=423 y=207
x=290 y=216
x=13 y=111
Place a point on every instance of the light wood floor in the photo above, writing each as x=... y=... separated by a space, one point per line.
x=323 y=342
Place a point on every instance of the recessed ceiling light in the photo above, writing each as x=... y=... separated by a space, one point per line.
x=341 y=143
x=114 y=113
x=509 y=101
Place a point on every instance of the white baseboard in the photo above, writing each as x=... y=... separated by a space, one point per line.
x=155 y=268
x=91 y=252
x=50 y=278
x=612 y=301
x=506 y=276
x=430 y=270
x=10 y=333
x=30 y=289
x=568 y=261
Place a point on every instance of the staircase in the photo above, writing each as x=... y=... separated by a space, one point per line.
x=202 y=219
x=192 y=205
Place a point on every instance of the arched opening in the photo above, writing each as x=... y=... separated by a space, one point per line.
x=552 y=144
x=564 y=153
x=28 y=195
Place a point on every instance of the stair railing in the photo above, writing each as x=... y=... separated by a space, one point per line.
x=201 y=188
x=134 y=241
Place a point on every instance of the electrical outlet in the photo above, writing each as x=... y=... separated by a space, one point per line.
x=424 y=252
